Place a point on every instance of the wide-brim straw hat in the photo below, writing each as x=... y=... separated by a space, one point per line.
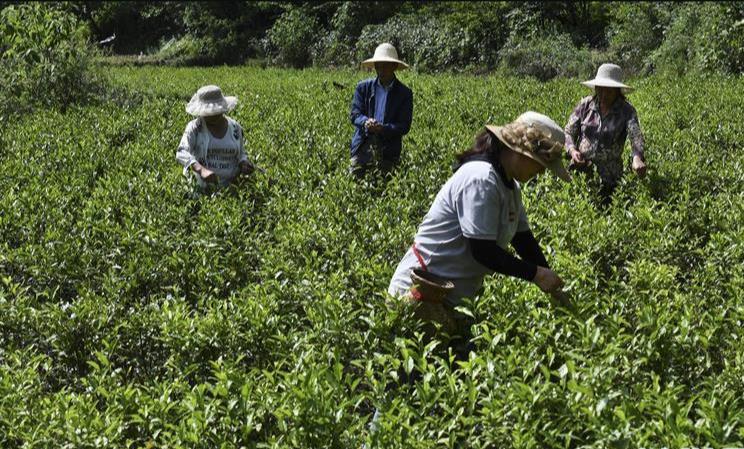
x=384 y=53
x=608 y=75
x=208 y=100
x=547 y=145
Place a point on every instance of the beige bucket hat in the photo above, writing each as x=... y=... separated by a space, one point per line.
x=538 y=137
x=608 y=75
x=384 y=53
x=208 y=100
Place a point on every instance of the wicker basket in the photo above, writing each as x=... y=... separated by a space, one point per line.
x=429 y=292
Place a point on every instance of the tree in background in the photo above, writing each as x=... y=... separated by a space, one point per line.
x=337 y=45
x=702 y=37
x=566 y=37
x=45 y=58
x=288 y=41
x=228 y=32
x=635 y=31
x=139 y=26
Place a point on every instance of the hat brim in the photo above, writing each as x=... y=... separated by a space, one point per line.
x=199 y=109
x=606 y=83
x=370 y=63
x=556 y=166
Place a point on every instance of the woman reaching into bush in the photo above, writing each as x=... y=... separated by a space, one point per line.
x=475 y=215
x=213 y=145
x=598 y=126
x=478 y=212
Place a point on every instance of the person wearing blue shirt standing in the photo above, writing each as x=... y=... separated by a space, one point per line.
x=381 y=112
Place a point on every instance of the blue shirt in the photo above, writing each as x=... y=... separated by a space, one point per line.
x=397 y=115
x=381 y=93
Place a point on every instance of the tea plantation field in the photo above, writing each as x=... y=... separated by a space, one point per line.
x=135 y=315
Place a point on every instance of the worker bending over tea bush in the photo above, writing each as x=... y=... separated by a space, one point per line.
x=213 y=145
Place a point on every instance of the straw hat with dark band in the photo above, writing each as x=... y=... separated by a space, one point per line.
x=608 y=75
x=384 y=53
x=208 y=100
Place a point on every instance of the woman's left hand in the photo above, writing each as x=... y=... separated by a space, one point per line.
x=373 y=126
x=639 y=167
x=246 y=168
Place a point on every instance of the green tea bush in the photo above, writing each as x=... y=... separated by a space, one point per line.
x=545 y=57
x=45 y=58
x=134 y=314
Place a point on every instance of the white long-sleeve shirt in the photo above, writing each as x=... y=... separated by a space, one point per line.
x=195 y=145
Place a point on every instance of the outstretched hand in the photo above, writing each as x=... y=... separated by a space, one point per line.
x=639 y=167
x=208 y=175
x=559 y=298
x=246 y=167
x=578 y=159
x=547 y=280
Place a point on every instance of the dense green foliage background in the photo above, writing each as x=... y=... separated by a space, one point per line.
x=135 y=315
x=543 y=39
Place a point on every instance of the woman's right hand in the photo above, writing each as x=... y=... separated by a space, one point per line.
x=206 y=174
x=577 y=158
x=547 y=280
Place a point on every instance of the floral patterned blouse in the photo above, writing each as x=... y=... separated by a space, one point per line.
x=601 y=139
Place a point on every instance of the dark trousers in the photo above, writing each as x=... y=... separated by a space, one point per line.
x=372 y=153
x=605 y=188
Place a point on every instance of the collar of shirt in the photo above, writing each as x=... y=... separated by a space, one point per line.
x=615 y=106
x=389 y=86
x=494 y=161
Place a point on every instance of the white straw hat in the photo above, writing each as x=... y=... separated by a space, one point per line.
x=608 y=75
x=547 y=149
x=384 y=53
x=208 y=100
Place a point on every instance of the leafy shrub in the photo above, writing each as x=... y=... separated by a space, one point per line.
x=438 y=43
x=337 y=47
x=411 y=36
x=45 y=58
x=546 y=57
x=212 y=31
x=703 y=37
x=138 y=26
x=219 y=32
x=288 y=39
x=186 y=50
x=635 y=32
x=334 y=49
